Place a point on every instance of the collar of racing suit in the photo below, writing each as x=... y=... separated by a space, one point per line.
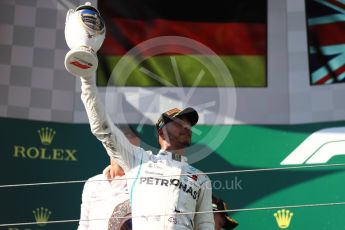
x=173 y=156
x=106 y=170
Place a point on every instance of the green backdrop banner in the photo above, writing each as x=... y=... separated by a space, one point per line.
x=35 y=152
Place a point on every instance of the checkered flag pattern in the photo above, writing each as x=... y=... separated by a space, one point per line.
x=34 y=83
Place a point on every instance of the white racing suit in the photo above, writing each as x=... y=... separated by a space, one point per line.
x=99 y=199
x=159 y=193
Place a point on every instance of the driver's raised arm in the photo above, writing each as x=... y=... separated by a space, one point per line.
x=112 y=138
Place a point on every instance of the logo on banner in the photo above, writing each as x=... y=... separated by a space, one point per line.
x=46 y=135
x=45 y=152
x=283 y=218
x=41 y=216
x=320 y=147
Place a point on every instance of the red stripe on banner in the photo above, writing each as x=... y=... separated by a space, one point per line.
x=337 y=3
x=222 y=38
x=329 y=34
x=337 y=72
x=323 y=80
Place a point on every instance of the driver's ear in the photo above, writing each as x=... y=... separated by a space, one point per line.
x=160 y=132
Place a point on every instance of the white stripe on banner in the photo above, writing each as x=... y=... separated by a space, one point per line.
x=328 y=50
x=330 y=5
x=334 y=64
x=326 y=19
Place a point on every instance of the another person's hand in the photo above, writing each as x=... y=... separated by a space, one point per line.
x=114 y=170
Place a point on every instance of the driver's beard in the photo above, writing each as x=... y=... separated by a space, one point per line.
x=176 y=142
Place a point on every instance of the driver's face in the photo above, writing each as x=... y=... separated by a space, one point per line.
x=179 y=132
